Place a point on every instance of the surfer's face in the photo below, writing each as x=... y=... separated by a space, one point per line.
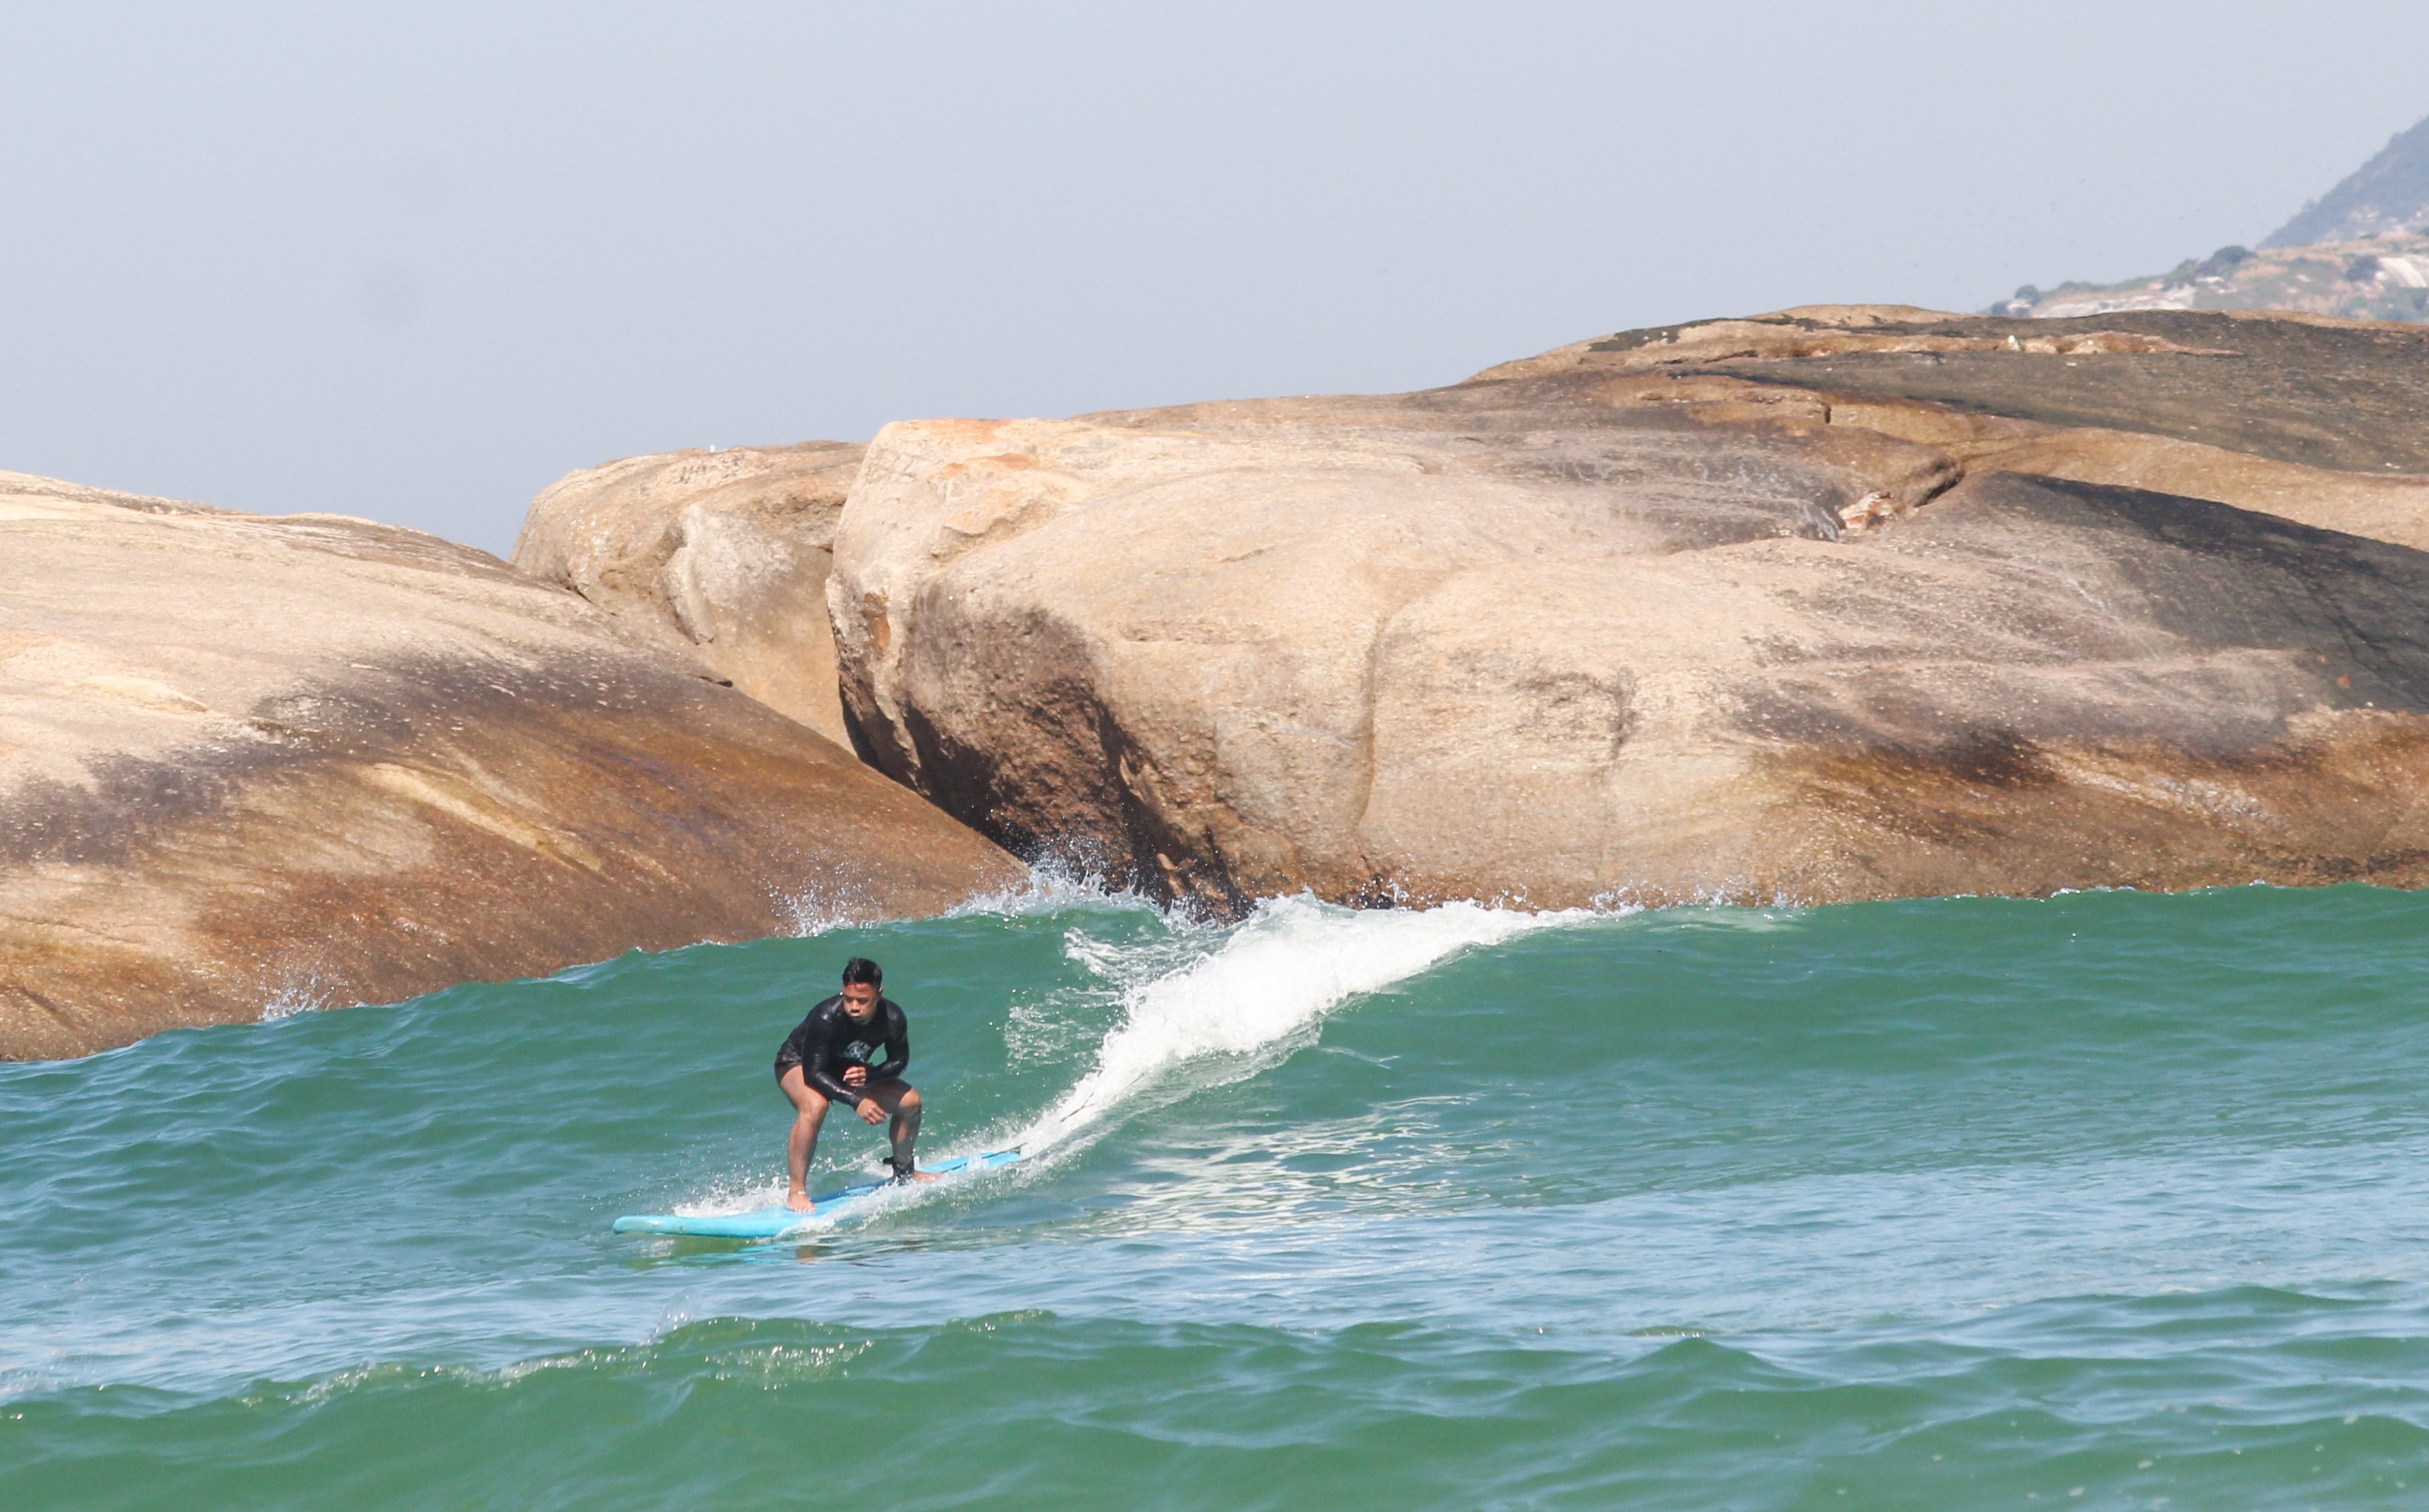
x=859 y=999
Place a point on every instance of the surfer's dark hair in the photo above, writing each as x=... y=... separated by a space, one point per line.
x=860 y=969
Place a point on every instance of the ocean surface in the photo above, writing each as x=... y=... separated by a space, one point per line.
x=2112 y=1200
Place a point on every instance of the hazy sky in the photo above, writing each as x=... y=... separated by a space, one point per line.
x=415 y=262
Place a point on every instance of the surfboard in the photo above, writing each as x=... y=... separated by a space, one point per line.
x=769 y=1222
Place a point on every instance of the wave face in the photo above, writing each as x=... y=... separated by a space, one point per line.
x=2107 y=1201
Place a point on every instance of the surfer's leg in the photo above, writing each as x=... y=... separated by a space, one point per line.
x=902 y=1099
x=809 y=1111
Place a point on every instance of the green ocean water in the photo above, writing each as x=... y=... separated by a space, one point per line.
x=2111 y=1200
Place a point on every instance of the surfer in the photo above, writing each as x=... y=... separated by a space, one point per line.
x=832 y=1057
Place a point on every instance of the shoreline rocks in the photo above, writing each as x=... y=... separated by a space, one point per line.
x=720 y=554
x=1842 y=602
x=308 y=760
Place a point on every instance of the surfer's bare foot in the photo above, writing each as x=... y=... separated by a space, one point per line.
x=918 y=1174
x=800 y=1202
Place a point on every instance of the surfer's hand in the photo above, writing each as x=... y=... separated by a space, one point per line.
x=856 y=1076
x=870 y=1112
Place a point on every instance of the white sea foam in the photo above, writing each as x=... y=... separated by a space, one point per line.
x=1051 y=887
x=304 y=996
x=1272 y=979
x=740 y=1195
x=822 y=907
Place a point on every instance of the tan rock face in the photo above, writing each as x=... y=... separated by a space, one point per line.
x=1824 y=605
x=251 y=761
x=723 y=553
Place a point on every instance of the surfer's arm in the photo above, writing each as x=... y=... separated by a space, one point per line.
x=898 y=1055
x=818 y=1069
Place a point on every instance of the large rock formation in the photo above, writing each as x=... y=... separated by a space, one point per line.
x=1838 y=603
x=724 y=553
x=248 y=762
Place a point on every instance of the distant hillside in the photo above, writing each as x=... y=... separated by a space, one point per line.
x=2362 y=252
x=2390 y=192
x=2375 y=278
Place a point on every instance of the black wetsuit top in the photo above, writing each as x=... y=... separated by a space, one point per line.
x=828 y=1039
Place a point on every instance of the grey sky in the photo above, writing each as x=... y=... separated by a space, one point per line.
x=414 y=263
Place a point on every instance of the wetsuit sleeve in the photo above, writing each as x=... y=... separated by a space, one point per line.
x=819 y=1070
x=898 y=1048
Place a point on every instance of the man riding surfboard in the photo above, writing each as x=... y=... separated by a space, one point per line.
x=833 y=1057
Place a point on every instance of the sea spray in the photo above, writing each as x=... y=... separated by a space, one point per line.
x=1274 y=978
x=1055 y=887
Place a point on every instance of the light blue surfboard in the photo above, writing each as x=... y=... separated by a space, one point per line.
x=768 y=1222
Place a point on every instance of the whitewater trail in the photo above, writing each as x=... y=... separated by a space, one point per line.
x=1274 y=977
